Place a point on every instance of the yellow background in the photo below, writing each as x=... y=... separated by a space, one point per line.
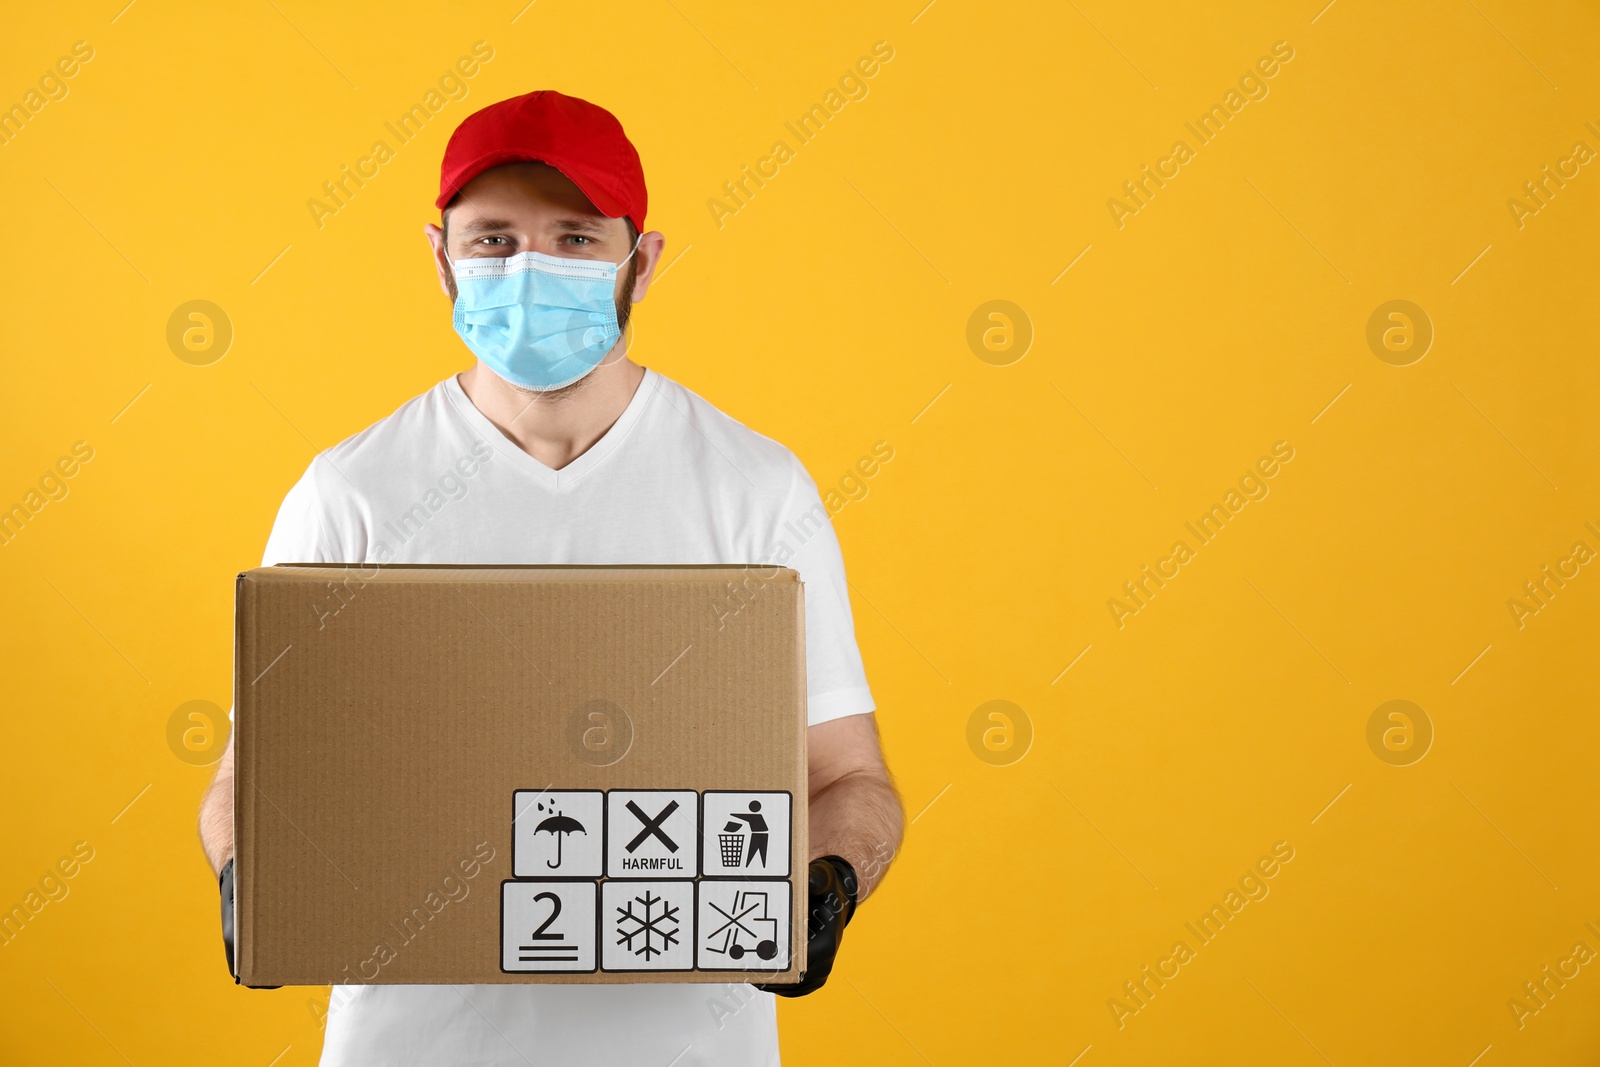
x=828 y=312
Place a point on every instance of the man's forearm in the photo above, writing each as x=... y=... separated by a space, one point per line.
x=860 y=819
x=216 y=815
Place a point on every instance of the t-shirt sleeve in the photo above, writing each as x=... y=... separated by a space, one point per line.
x=836 y=683
x=301 y=532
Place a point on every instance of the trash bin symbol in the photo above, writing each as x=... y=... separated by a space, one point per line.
x=732 y=849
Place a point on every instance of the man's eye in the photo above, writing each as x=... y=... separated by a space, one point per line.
x=578 y=237
x=491 y=240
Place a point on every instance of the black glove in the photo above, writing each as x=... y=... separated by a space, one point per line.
x=833 y=902
x=225 y=881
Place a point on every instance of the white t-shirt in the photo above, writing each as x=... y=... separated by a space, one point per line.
x=673 y=481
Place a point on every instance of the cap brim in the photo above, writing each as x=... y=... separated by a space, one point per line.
x=603 y=203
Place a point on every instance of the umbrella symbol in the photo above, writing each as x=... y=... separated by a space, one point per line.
x=560 y=825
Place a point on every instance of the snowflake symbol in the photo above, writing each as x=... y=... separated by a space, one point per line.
x=650 y=927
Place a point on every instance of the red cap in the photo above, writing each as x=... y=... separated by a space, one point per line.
x=582 y=141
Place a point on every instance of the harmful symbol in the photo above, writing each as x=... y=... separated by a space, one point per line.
x=652 y=833
x=652 y=826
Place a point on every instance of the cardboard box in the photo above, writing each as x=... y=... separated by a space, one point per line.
x=519 y=774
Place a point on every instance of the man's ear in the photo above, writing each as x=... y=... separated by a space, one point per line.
x=441 y=257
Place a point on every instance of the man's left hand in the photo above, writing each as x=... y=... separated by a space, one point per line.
x=832 y=887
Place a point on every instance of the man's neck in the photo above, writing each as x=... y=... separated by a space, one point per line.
x=555 y=428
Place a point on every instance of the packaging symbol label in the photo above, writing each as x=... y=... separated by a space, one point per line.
x=643 y=880
x=558 y=834
x=547 y=927
x=652 y=833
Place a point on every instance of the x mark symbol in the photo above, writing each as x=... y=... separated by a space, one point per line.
x=652 y=826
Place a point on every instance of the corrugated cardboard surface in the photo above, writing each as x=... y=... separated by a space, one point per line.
x=385 y=716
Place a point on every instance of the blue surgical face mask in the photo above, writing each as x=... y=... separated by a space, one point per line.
x=538 y=321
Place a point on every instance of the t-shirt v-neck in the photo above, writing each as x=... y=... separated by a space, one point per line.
x=547 y=477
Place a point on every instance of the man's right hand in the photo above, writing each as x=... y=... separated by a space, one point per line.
x=226 y=884
x=216 y=837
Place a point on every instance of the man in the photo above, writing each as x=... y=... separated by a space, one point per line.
x=581 y=456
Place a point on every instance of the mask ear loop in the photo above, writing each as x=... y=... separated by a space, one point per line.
x=626 y=329
x=630 y=255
